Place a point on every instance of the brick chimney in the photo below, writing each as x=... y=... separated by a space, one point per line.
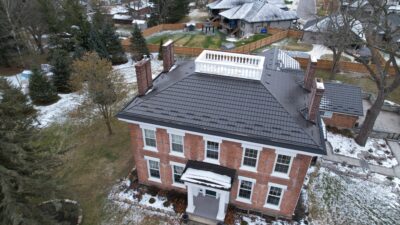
x=168 y=55
x=143 y=76
x=317 y=91
x=310 y=73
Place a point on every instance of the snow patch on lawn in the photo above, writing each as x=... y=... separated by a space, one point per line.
x=127 y=70
x=339 y=199
x=319 y=50
x=376 y=151
x=124 y=208
x=58 y=112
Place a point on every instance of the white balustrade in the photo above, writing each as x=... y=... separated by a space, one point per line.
x=230 y=64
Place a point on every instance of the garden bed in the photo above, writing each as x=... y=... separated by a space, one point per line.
x=376 y=151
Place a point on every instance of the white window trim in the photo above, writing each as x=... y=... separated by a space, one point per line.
x=150 y=178
x=275 y=207
x=174 y=153
x=173 y=180
x=279 y=174
x=146 y=147
x=277 y=149
x=210 y=160
x=253 y=182
x=249 y=168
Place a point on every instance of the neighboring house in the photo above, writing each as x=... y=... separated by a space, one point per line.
x=248 y=17
x=141 y=8
x=122 y=19
x=227 y=129
x=341 y=106
x=367 y=8
x=142 y=24
x=317 y=31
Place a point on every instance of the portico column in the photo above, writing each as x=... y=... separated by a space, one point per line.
x=190 y=207
x=221 y=206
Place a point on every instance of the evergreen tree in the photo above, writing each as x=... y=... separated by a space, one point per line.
x=61 y=63
x=138 y=44
x=41 y=90
x=22 y=168
x=177 y=11
x=160 y=50
x=113 y=44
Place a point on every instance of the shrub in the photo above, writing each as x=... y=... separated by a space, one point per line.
x=390 y=178
x=166 y=204
x=243 y=222
x=152 y=200
x=230 y=215
x=152 y=190
x=178 y=200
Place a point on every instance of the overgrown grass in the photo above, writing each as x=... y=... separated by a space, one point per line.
x=363 y=81
x=91 y=162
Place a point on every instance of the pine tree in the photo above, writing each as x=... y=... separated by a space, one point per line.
x=41 y=90
x=22 y=167
x=138 y=44
x=61 y=63
x=160 y=50
x=113 y=44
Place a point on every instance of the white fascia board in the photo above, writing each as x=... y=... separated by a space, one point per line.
x=276 y=148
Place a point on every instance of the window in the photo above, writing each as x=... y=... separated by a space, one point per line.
x=154 y=169
x=274 y=196
x=177 y=171
x=176 y=143
x=327 y=114
x=211 y=193
x=150 y=137
x=250 y=157
x=283 y=164
x=245 y=189
x=212 y=150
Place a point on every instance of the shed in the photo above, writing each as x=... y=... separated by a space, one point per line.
x=142 y=24
x=341 y=106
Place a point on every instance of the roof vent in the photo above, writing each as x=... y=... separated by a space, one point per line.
x=230 y=64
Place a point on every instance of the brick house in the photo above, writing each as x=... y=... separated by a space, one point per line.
x=227 y=129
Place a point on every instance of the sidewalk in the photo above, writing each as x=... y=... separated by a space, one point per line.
x=394 y=171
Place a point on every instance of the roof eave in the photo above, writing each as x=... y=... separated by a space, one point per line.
x=308 y=149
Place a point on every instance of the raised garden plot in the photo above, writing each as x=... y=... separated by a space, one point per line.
x=376 y=151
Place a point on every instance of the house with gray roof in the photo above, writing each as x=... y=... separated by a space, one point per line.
x=227 y=128
x=249 y=17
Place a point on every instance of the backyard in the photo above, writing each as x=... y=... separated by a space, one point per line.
x=199 y=39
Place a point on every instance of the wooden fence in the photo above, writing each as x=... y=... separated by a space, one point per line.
x=277 y=35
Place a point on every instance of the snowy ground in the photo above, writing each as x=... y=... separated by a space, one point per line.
x=58 y=112
x=124 y=208
x=197 y=16
x=376 y=151
x=339 y=199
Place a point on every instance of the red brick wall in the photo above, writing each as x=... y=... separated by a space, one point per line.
x=230 y=156
x=341 y=120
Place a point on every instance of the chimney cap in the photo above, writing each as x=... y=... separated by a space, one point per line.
x=313 y=59
x=170 y=41
x=319 y=84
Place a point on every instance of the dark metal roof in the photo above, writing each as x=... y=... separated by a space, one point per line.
x=342 y=98
x=264 y=112
x=211 y=168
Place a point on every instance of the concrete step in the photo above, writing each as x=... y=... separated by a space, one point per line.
x=201 y=220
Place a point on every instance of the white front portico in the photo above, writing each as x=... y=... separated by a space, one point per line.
x=208 y=189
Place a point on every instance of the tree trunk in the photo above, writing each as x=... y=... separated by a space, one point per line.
x=335 y=63
x=108 y=123
x=370 y=119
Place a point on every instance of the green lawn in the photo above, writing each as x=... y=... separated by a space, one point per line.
x=365 y=82
x=200 y=40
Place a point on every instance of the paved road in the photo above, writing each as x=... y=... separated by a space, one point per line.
x=395 y=171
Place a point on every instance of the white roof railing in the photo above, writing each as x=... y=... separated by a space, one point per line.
x=230 y=64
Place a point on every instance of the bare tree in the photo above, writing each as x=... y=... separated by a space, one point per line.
x=104 y=87
x=381 y=36
x=339 y=31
